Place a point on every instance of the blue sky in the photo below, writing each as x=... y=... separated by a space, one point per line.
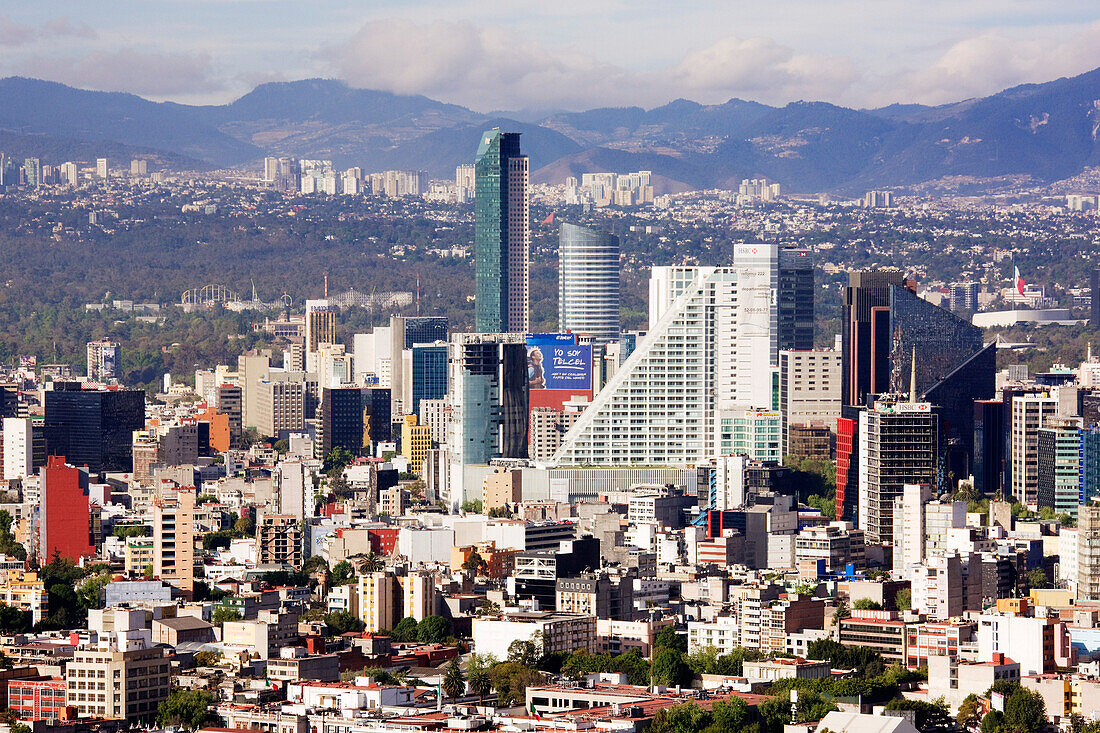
x=510 y=54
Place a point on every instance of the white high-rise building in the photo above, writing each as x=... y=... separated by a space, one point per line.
x=588 y=282
x=101 y=170
x=1029 y=413
x=708 y=355
x=18 y=445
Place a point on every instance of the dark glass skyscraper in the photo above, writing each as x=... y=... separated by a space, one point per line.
x=92 y=427
x=796 y=299
x=502 y=234
x=429 y=373
x=354 y=418
x=865 y=334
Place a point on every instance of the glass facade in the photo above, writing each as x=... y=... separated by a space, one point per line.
x=796 y=299
x=1059 y=469
x=93 y=428
x=1089 y=464
x=429 y=373
x=501 y=234
x=424 y=330
x=941 y=340
x=588 y=282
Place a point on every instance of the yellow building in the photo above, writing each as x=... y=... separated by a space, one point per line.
x=26 y=592
x=416 y=441
x=378 y=606
x=139 y=555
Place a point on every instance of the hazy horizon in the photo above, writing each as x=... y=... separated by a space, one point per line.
x=498 y=55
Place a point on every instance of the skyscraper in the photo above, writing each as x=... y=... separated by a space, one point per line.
x=588 y=282
x=707 y=359
x=796 y=299
x=899 y=444
x=93 y=427
x=320 y=329
x=1094 y=292
x=502 y=234
x=865 y=334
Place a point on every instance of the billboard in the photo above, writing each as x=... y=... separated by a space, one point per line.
x=556 y=362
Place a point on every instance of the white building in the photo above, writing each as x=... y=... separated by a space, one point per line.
x=562 y=632
x=18 y=445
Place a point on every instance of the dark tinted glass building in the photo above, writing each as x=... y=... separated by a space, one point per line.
x=354 y=418
x=92 y=427
x=796 y=299
x=429 y=373
x=501 y=234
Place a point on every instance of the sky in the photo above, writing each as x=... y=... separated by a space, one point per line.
x=557 y=54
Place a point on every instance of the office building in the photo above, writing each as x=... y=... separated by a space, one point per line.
x=42 y=699
x=1090 y=464
x=708 y=358
x=964 y=296
x=588 y=282
x=1058 y=473
x=139 y=167
x=93 y=427
x=65 y=524
x=353 y=418
x=754 y=433
x=280 y=408
x=989 y=448
x=103 y=682
x=101 y=170
x=548 y=426
x=416 y=441
x=489 y=397
x=252 y=369
x=320 y=329
x=18 y=448
x=502 y=234
x=405 y=332
x=104 y=361
x=1029 y=413
x=32 y=172
x=795 y=295
x=898 y=445
x=894 y=342
x=174 y=539
x=228 y=401
x=809 y=389
x=428 y=375
x=279 y=540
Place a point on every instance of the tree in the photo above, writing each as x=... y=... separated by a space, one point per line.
x=338 y=459
x=841 y=613
x=669 y=668
x=225 y=613
x=125 y=530
x=472 y=507
x=189 y=708
x=480 y=684
x=88 y=592
x=1037 y=578
x=8 y=545
x=342 y=573
x=245 y=526
x=668 y=638
x=475 y=565
x=525 y=652
x=315 y=564
x=931 y=717
x=904 y=599
x=1025 y=711
x=341 y=622
x=970 y=713
x=511 y=680
x=866 y=604
x=404 y=630
x=372 y=563
x=454 y=683
x=14 y=620
x=19 y=728
x=206 y=659
x=433 y=630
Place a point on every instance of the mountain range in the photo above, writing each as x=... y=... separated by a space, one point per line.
x=1045 y=132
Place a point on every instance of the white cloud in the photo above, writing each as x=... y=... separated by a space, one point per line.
x=13 y=33
x=130 y=70
x=489 y=68
x=994 y=60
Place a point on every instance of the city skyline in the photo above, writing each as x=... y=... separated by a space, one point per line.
x=521 y=56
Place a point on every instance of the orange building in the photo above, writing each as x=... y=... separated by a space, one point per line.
x=219 y=429
x=499 y=562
